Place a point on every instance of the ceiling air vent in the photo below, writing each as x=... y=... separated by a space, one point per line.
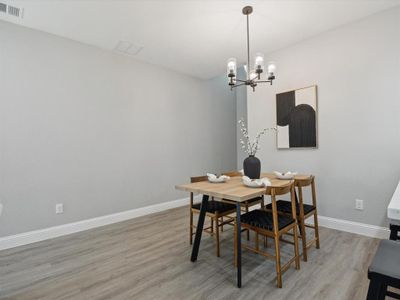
x=14 y=11
x=3 y=7
x=128 y=48
x=11 y=10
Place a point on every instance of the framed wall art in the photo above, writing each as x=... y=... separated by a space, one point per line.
x=296 y=118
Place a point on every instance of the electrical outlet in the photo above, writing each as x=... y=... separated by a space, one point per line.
x=1 y=209
x=359 y=204
x=59 y=208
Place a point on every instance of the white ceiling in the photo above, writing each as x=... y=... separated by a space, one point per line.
x=193 y=37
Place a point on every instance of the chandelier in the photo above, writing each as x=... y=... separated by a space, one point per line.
x=253 y=76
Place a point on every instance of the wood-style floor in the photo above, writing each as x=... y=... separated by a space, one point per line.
x=148 y=258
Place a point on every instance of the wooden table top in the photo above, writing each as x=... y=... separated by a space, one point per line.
x=234 y=189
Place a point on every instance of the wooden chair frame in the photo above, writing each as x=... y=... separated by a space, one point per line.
x=275 y=233
x=216 y=219
x=302 y=217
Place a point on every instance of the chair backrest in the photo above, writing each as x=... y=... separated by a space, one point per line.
x=232 y=173
x=198 y=179
x=300 y=183
x=288 y=188
x=282 y=190
x=304 y=182
x=193 y=180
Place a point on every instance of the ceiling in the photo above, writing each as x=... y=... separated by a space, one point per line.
x=192 y=37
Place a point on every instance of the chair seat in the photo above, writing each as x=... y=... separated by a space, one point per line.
x=216 y=207
x=386 y=263
x=286 y=207
x=264 y=219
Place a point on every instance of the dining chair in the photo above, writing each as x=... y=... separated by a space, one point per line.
x=270 y=224
x=216 y=210
x=303 y=211
x=248 y=203
x=384 y=271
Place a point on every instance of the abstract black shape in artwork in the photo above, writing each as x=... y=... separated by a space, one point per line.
x=285 y=103
x=296 y=118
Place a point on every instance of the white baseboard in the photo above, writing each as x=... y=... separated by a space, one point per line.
x=354 y=227
x=65 y=229
x=57 y=231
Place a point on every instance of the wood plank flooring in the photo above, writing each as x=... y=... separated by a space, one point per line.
x=148 y=258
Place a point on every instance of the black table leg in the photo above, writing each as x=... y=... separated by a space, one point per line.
x=199 y=229
x=239 y=246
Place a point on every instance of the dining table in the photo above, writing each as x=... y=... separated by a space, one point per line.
x=233 y=190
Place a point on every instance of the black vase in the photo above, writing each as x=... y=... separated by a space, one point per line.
x=252 y=167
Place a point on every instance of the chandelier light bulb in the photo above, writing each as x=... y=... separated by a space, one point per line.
x=253 y=75
x=271 y=68
x=231 y=71
x=259 y=62
x=231 y=66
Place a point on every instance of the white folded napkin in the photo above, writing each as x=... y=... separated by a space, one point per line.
x=263 y=182
x=213 y=178
x=287 y=175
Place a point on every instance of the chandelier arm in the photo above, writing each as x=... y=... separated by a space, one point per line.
x=240 y=80
x=236 y=85
x=261 y=81
x=264 y=81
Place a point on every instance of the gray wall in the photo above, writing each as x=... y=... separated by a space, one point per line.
x=357 y=70
x=99 y=132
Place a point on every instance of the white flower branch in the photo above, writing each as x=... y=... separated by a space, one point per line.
x=247 y=146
